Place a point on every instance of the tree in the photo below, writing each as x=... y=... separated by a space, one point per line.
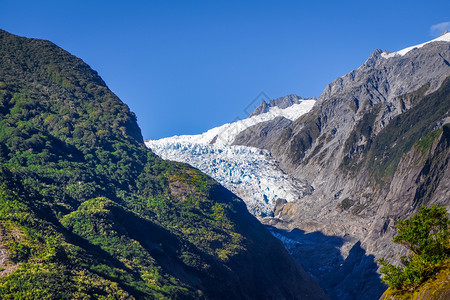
x=427 y=237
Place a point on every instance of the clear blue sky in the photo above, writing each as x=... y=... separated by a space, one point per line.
x=186 y=66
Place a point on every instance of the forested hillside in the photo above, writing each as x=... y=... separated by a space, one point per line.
x=86 y=211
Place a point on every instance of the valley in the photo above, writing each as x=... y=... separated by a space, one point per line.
x=332 y=181
x=297 y=201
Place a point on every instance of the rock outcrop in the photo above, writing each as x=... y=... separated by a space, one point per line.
x=281 y=102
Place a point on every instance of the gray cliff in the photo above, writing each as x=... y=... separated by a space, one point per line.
x=375 y=147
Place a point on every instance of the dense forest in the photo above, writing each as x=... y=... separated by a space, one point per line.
x=86 y=211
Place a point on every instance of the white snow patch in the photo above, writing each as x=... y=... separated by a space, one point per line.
x=228 y=132
x=442 y=38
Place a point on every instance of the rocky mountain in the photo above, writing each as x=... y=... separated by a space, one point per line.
x=87 y=211
x=373 y=149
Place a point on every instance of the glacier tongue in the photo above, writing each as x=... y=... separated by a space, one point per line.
x=250 y=173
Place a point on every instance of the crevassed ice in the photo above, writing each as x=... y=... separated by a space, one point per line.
x=248 y=172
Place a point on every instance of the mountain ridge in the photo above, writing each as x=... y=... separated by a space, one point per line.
x=281 y=102
x=87 y=211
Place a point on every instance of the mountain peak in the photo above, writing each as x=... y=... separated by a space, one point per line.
x=281 y=102
x=445 y=37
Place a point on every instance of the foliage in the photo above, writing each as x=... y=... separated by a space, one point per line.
x=426 y=233
x=86 y=211
x=426 y=142
x=382 y=152
x=427 y=236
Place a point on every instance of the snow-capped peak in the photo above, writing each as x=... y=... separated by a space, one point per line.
x=443 y=38
x=226 y=133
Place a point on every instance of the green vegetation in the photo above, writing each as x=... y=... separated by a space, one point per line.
x=426 y=142
x=87 y=212
x=382 y=153
x=427 y=237
x=363 y=128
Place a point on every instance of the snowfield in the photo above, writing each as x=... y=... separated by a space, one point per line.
x=226 y=133
x=442 y=38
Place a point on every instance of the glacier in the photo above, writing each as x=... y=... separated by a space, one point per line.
x=251 y=173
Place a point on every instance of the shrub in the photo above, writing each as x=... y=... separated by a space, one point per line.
x=426 y=236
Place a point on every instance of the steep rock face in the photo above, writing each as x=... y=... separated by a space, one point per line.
x=421 y=178
x=387 y=180
x=330 y=145
x=88 y=211
x=264 y=134
x=368 y=96
x=359 y=148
